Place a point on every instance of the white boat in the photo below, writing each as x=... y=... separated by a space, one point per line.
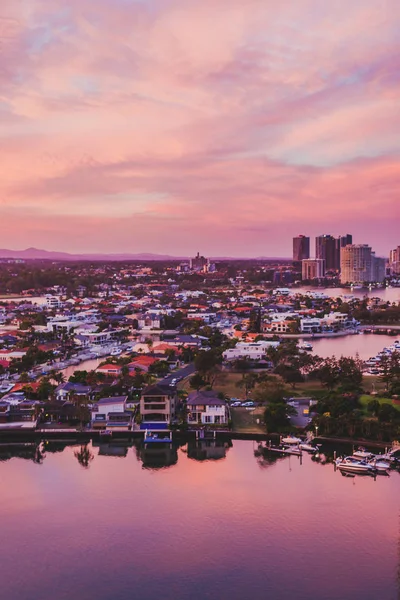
x=290 y=440
x=308 y=448
x=363 y=454
x=381 y=466
x=352 y=465
x=305 y=346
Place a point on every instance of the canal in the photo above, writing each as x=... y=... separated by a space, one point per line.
x=172 y=524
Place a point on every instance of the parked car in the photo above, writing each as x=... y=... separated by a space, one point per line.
x=236 y=404
x=248 y=403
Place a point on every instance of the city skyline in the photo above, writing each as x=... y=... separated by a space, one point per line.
x=169 y=127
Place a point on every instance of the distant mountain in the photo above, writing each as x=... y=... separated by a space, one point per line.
x=37 y=254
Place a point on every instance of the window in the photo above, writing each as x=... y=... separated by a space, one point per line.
x=207 y=419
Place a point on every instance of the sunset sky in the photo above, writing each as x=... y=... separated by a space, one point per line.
x=224 y=126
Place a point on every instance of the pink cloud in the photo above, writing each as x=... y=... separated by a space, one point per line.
x=194 y=120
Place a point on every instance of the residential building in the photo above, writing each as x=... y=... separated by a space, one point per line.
x=341 y=242
x=378 y=266
x=301 y=248
x=205 y=408
x=111 y=413
x=312 y=268
x=109 y=369
x=394 y=261
x=53 y=302
x=251 y=351
x=158 y=405
x=356 y=264
x=311 y=325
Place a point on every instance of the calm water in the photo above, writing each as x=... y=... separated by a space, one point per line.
x=365 y=345
x=233 y=528
x=391 y=294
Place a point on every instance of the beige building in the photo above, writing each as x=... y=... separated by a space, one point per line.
x=158 y=404
x=394 y=261
x=312 y=268
x=360 y=265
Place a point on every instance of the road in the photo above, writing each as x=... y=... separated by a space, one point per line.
x=185 y=371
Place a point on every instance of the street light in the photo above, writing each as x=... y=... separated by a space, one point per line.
x=316 y=431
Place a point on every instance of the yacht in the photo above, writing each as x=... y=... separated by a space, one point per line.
x=352 y=465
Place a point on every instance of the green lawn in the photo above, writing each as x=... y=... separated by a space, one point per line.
x=366 y=398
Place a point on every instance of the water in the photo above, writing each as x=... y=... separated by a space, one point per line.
x=365 y=345
x=86 y=365
x=232 y=528
x=391 y=294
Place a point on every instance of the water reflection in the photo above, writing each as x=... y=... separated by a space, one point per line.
x=208 y=449
x=34 y=451
x=84 y=456
x=117 y=448
x=157 y=456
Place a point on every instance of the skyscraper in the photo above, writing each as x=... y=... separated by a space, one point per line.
x=326 y=249
x=301 y=248
x=341 y=242
x=356 y=264
x=394 y=261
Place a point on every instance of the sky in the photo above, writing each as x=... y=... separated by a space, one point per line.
x=177 y=126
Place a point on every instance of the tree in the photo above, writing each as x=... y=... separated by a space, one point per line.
x=277 y=416
x=247 y=382
x=159 y=368
x=374 y=407
x=206 y=361
x=197 y=381
x=271 y=391
x=45 y=389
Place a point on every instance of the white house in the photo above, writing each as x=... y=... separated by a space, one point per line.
x=250 y=350
x=205 y=408
x=310 y=325
x=111 y=413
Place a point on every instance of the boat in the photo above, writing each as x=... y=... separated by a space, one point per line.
x=363 y=454
x=305 y=346
x=352 y=465
x=308 y=448
x=291 y=440
x=282 y=449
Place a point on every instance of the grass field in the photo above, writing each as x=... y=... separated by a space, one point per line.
x=366 y=398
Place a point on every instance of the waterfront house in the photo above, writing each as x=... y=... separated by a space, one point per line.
x=251 y=351
x=111 y=413
x=158 y=405
x=205 y=408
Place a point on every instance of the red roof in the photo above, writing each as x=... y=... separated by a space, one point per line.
x=142 y=360
x=109 y=367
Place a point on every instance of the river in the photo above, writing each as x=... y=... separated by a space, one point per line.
x=364 y=345
x=390 y=294
x=235 y=528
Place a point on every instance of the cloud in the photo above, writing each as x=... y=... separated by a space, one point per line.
x=194 y=120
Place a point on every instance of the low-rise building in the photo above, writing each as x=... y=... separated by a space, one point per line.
x=205 y=408
x=111 y=413
x=251 y=351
